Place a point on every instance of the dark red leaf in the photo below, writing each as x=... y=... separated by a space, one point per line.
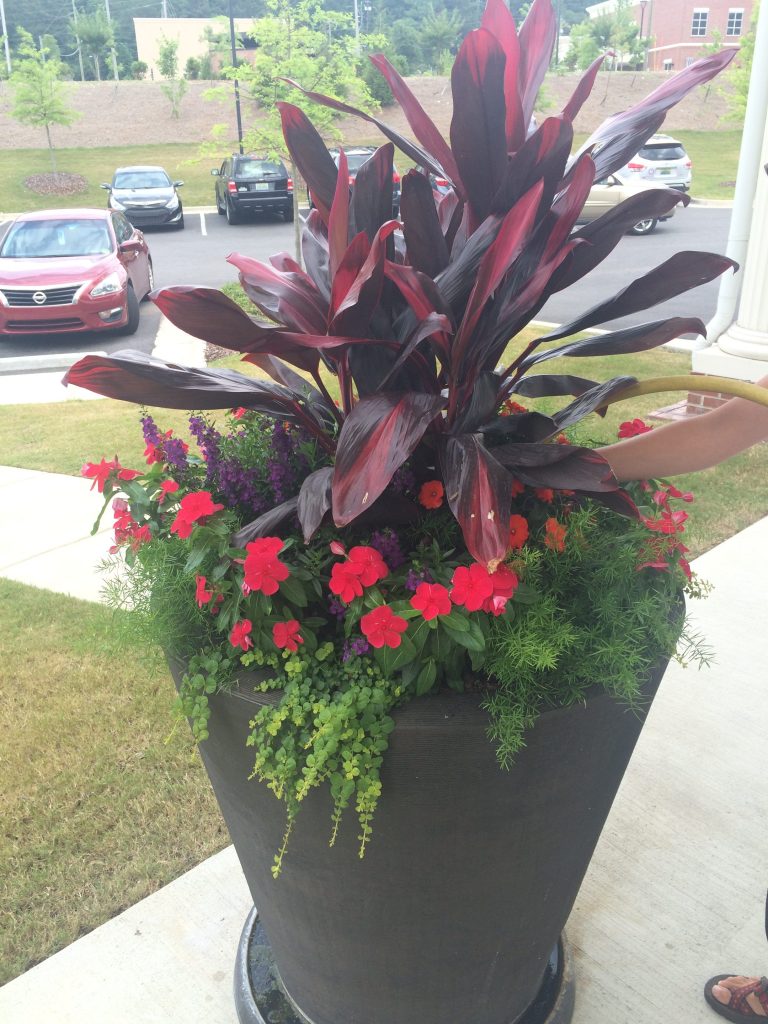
x=537 y=41
x=570 y=203
x=562 y=466
x=347 y=271
x=311 y=156
x=478 y=124
x=427 y=249
x=265 y=525
x=314 y=500
x=287 y=297
x=378 y=435
x=583 y=89
x=352 y=315
x=632 y=339
x=434 y=324
x=421 y=124
x=338 y=219
x=590 y=401
x=545 y=385
x=314 y=249
x=678 y=274
x=372 y=192
x=500 y=23
x=479 y=492
x=208 y=314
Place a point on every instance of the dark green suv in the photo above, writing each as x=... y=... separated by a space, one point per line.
x=252 y=184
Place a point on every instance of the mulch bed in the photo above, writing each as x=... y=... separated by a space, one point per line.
x=59 y=184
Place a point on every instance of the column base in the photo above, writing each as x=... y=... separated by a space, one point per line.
x=260 y=996
x=722 y=363
x=743 y=343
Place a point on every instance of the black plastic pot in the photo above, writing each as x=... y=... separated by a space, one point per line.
x=470 y=875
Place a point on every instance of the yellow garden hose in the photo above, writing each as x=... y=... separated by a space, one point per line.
x=692 y=382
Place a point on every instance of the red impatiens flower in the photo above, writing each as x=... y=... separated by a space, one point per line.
x=238 y=413
x=382 y=628
x=286 y=634
x=431 y=494
x=669 y=522
x=345 y=581
x=516 y=488
x=99 y=472
x=631 y=428
x=431 y=599
x=471 y=586
x=510 y=408
x=194 y=508
x=505 y=582
x=368 y=564
x=240 y=635
x=518 y=532
x=263 y=569
x=202 y=596
x=544 y=494
x=555 y=535
x=167 y=487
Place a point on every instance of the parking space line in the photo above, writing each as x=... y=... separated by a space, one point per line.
x=202 y=224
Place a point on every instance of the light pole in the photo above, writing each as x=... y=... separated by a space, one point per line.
x=643 y=5
x=237 y=84
x=5 y=38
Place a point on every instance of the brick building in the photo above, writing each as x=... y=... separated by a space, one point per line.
x=678 y=29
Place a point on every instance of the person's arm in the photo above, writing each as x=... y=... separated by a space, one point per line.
x=692 y=444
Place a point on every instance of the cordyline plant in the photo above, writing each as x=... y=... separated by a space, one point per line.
x=413 y=317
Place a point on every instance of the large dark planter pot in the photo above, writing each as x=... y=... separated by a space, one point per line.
x=469 y=878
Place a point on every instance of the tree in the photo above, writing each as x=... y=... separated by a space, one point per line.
x=616 y=32
x=95 y=35
x=303 y=41
x=168 y=65
x=439 y=34
x=39 y=98
x=741 y=72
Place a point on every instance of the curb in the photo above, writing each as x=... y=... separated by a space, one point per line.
x=714 y=204
x=38 y=364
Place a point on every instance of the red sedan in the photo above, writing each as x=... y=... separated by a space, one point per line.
x=72 y=270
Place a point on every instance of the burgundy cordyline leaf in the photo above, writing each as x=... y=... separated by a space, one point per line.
x=565 y=467
x=284 y=375
x=569 y=204
x=479 y=492
x=543 y=155
x=678 y=274
x=590 y=401
x=605 y=233
x=419 y=156
x=314 y=249
x=619 y=137
x=288 y=297
x=537 y=41
x=632 y=339
x=208 y=314
x=344 y=277
x=311 y=156
x=378 y=435
x=434 y=325
x=338 y=219
x=547 y=385
x=500 y=23
x=421 y=293
x=372 y=193
x=354 y=312
x=424 y=238
x=583 y=89
x=314 y=500
x=265 y=524
x=421 y=124
x=477 y=127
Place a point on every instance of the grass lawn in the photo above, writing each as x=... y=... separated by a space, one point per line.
x=99 y=807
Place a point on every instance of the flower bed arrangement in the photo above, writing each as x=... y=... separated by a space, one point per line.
x=388 y=516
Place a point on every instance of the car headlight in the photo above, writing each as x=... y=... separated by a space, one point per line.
x=107 y=286
x=173 y=202
x=115 y=204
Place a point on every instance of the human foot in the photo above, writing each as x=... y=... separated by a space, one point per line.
x=737 y=997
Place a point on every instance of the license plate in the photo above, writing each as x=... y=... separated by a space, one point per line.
x=666 y=170
x=260 y=186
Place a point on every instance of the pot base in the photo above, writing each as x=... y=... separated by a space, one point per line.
x=261 y=999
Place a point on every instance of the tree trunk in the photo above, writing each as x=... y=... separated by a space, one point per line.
x=51 y=150
x=296 y=216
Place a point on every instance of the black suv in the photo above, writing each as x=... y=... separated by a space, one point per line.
x=253 y=184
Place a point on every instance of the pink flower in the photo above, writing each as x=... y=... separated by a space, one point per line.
x=471 y=586
x=286 y=634
x=505 y=583
x=240 y=635
x=263 y=569
x=431 y=599
x=382 y=628
x=194 y=509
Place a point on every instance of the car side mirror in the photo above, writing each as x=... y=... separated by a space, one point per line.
x=178 y=184
x=106 y=186
x=215 y=172
x=132 y=245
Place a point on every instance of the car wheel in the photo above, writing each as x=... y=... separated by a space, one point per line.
x=132 y=323
x=180 y=225
x=644 y=227
x=219 y=208
x=233 y=217
x=288 y=213
x=150 y=280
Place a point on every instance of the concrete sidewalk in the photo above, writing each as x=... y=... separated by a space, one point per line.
x=674 y=893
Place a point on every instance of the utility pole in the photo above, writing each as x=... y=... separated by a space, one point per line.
x=114 y=55
x=77 y=38
x=357 y=26
x=5 y=38
x=165 y=8
x=237 y=84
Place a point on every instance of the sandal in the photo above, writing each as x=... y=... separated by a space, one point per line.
x=738 y=1009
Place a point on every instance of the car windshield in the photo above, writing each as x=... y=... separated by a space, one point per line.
x=257 y=168
x=356 y=160
x=35 y=239
x=665 y=152
x=141 y=179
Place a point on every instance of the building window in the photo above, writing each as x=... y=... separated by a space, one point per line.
x=700 y=19
x=668 y=65
x=735 y=20
x=689 y=61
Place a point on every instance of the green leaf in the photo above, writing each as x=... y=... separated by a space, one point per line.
x=455 y=621
x=293 y=591
x=196 y=558
x=390 y=659
x=425 y=680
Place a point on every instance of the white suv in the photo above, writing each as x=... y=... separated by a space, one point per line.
x=662 y=160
